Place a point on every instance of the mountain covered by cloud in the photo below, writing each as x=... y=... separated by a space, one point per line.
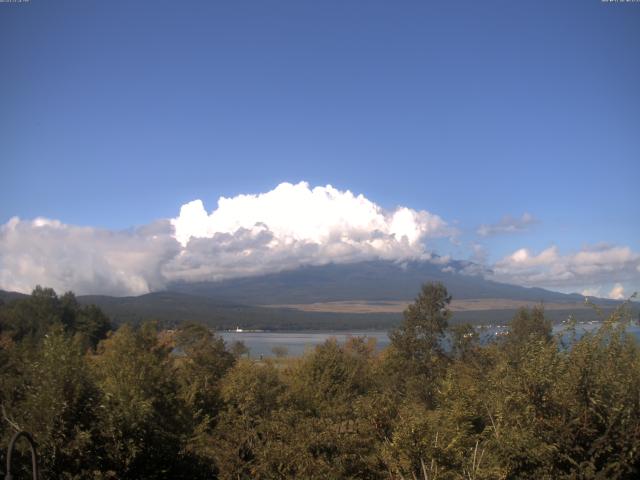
x=290 y=226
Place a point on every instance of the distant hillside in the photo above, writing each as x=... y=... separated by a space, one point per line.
x=172 y=308
x=372 y=281
x=9 y=296
x=373 y=294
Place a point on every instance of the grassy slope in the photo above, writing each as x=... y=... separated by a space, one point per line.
x=173 y=308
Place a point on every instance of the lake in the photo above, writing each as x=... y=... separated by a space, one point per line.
x=297 y=342
x=261 y=343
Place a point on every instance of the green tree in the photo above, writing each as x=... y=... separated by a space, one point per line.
x=250 y=394
x=203 y=363
x=416 y=358
x=31 y=317
x=464 y=341
x=239 y=349
x=329 y=379
x=141 y=418
x=55 y=400
x=529 y=325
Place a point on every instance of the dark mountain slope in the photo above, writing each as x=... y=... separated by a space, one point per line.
x=172 y=308
x=371 y=281
x=239 y=302
x=7 y=297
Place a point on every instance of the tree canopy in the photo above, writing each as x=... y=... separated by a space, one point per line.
x=140 y=402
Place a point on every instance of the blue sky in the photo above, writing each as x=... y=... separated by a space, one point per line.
x=114 y=114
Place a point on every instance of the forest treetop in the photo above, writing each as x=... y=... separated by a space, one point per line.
x=145 y=403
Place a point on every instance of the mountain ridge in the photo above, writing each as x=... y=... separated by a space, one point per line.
x=375 y=280
x=290 y=299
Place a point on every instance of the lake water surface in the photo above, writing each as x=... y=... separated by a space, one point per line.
x=297 y=342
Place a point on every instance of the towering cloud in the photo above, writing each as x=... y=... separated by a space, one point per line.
x=293 y=225
x=298 y=213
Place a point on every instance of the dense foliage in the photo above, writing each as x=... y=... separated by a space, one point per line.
x=145 y=403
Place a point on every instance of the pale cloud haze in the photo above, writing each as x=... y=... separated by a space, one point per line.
x=508 y=224
x=83 y=259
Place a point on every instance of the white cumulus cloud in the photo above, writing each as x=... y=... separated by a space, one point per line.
x=293 y=225
x=319 y=215
x=585 y=270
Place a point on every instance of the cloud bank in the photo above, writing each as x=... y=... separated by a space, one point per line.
x=284 y=228
x=287 y=227
x=583 y=271
x=83 y=259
